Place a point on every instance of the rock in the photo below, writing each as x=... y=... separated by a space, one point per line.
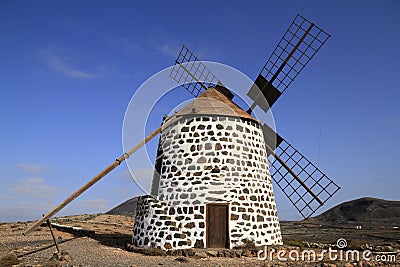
x=174 y=252
x=62 y=256
x=388 y=248
x=227 y=253
x=200 y=254
x=246 y=253
x=238 y=253
x=182 y=259
x=212 y=253
x=187 y=252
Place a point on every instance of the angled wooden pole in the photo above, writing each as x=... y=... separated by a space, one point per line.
x=52 y=235
x=94 y=180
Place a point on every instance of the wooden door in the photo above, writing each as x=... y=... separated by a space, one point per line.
x=217 y=226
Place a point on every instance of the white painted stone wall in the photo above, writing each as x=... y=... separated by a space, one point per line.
x=209 y=159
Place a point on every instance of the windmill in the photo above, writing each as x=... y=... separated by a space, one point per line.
x=306 y=186
x=189 y=205
x=167 y=222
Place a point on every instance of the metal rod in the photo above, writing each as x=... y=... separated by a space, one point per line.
x=52 y=235
x=294 y=174
x=283 y=64
x=194 y=77
x=94 y=180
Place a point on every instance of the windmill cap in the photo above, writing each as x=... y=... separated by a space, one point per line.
x=211 y=103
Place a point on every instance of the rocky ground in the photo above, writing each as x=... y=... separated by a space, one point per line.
x=107 y=247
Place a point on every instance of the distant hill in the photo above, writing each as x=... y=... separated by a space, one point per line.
x=127 y=208
x=361 y=210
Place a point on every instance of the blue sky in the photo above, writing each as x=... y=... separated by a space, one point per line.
x=69 y=68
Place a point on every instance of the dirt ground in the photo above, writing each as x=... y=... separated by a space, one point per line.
x=108 y=246
x=373 y=233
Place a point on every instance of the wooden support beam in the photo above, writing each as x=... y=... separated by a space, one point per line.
x=94 y=180
x=52 y=235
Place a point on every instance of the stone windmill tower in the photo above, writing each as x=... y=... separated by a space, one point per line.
x=212 y=186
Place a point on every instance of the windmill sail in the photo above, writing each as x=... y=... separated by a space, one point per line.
x=301 y=181
x=320 y=184
x=192 y=74
x=301 y=41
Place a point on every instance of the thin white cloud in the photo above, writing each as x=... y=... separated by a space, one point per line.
x=34 y=188
x=99 y=204
x=23 y=211
x=32 y=167
x=163 y=42
x=157 y=41
x=171 y=49
x=59 y=61
x=126 y=44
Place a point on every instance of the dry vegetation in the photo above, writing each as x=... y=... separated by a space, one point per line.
x=108 y=246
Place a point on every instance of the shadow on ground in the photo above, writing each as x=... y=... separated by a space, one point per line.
x=116 y=240
x=44 y=248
